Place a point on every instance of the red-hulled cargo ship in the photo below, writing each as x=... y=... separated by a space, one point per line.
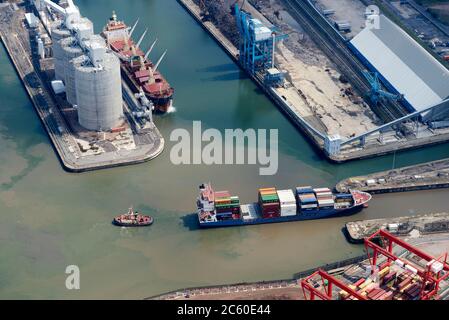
x=137 y=69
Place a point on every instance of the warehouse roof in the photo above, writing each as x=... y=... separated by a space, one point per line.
x=404 y=63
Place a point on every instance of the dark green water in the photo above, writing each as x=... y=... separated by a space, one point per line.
x=51 y=219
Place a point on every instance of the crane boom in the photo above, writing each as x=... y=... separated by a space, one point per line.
x=141 y=38
x=149 y=50
x=134 y=27
x=56 y=7
x=159 y=61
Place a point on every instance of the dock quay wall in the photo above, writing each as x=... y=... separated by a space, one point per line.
x=45 y=105
x=295 y=118
x=232 y=52
x=250 y=286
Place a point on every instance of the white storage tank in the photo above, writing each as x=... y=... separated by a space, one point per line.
x=98 y=90
x=71 y=50
x=59 y=32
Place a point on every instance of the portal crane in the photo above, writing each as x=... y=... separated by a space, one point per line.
x=435 y=270
x=429 y=270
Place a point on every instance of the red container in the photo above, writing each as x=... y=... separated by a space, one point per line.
x=387 y=296
x=359 y=282
x=222 y=194
x=384 y=265
x=404 y=283
x=379 y=294
x=271 y=205
x=267 y=215
x=374 y=293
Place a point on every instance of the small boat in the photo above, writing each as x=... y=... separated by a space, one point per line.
x=133 y=219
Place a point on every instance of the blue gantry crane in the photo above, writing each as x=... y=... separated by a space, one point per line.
x=256 y=45
x=377 y=93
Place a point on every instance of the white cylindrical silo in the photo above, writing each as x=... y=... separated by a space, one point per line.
x=58 y=32
x=71 y=50
x=99 y=92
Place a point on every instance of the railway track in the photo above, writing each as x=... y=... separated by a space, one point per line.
x=336 y=49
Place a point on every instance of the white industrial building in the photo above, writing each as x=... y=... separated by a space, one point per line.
x=405 y=67
x=88 y=68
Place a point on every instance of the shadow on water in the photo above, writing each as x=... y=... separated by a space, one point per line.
x=190 y=221
x=228 y=77
x=219 y=68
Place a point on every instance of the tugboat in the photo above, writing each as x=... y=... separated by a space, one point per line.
x=133 y=219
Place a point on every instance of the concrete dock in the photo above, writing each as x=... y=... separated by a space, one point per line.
x=430 y=175
x=74 y=151
x=293 y=103
x=414 y=226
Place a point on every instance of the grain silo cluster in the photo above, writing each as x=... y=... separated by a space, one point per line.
x=90 y=71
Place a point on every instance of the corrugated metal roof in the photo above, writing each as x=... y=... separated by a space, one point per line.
x=407 y=66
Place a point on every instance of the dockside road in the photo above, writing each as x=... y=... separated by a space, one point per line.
x=430 y=175
x=15 y=37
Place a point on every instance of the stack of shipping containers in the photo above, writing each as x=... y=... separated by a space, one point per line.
x=402 y=284
x=325 y=198
x=306 y=199
x=287 y=202
x=344 y=200
x=269 y=202
x=227 y=207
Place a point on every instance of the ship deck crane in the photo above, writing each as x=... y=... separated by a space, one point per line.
x=159 y=61
x=151 y=49
x=134 y=27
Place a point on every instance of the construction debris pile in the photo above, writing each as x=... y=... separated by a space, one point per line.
x=219 y=13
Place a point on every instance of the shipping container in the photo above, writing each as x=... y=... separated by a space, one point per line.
x=367 y=282
x=374 y=293
x=343 y=196
x=359 y=282
x=288 y=210
x=286 y=197
x=324 y=194
x=306 y=189
x=222 y=194
x=307 y=199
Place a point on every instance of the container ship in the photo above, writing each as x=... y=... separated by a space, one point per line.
x=221 y=209
x=138 y=71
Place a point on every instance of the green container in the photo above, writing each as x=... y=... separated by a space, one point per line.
x=270 y=198
x=223 y=206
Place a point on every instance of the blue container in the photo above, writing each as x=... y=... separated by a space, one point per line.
x=303 y=190
x=224 y=214
x=343 y=196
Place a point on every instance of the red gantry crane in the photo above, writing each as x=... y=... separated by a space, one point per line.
x=430 y=271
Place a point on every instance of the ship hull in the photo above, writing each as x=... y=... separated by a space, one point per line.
x=141 y=224
x=309 y=215
x=161 y=104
